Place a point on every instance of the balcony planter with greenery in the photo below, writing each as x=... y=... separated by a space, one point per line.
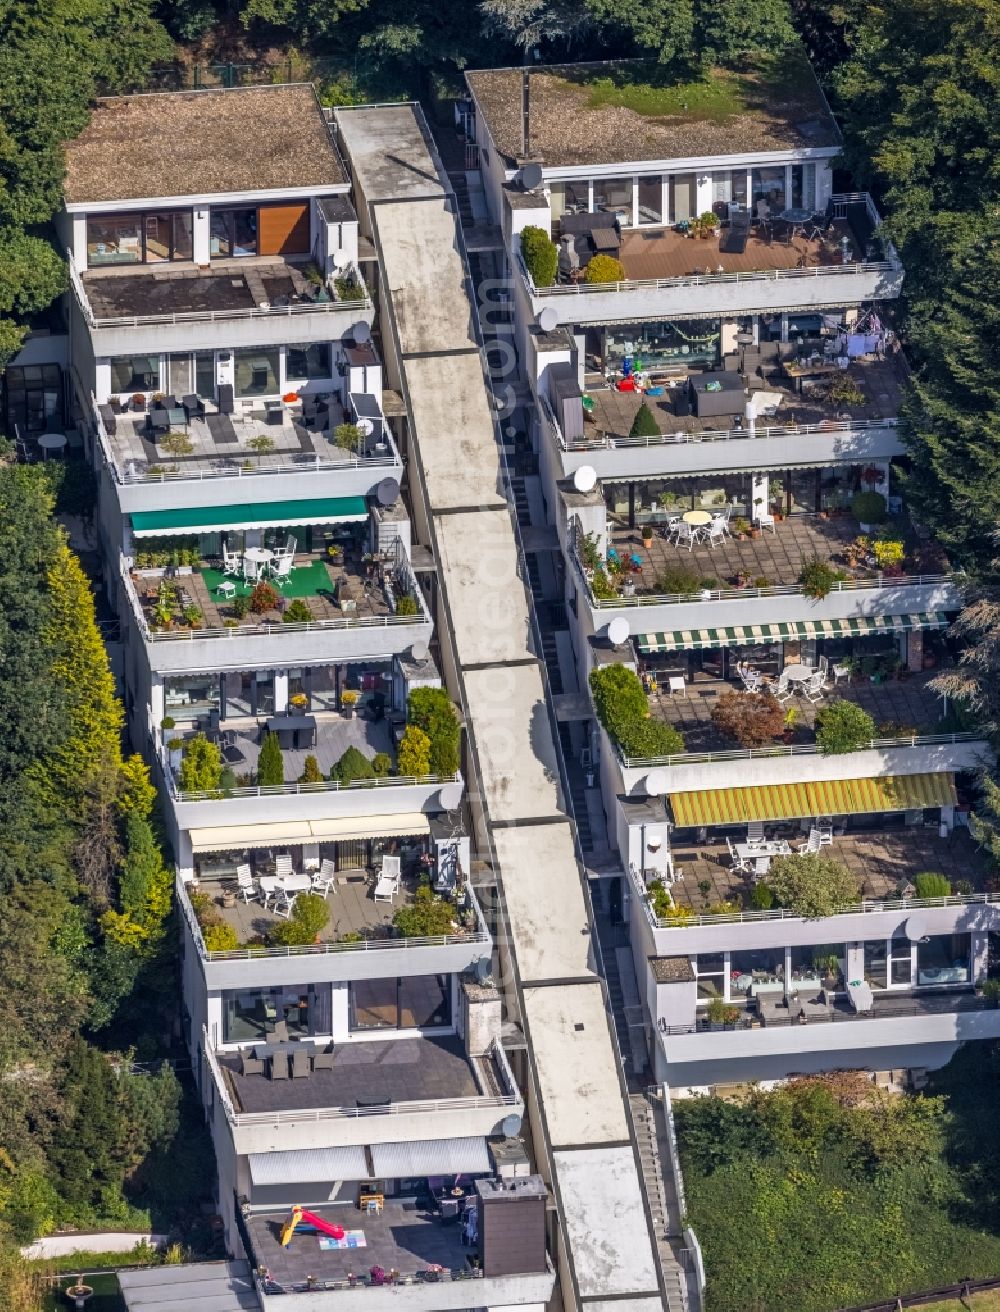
x=843 y=727
x=722 y=1014
x=622 y=708
x=603 y=269
x=305 y=925
x=433 y=711
x=540 y=255
x=868 y=508
x=349 y=699
x=931 y=884
x=817 y=578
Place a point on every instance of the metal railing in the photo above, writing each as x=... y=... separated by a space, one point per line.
x=866 y=906
x=289 y=311
x=799 y=749
x=290 y=789
x=952 y=999
x=479 y=935
x=297 y=1115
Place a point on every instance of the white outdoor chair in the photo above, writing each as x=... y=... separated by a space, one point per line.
x=735 y=860
x=281 y=570
x=687 y=536
x=765 y=520
x=755 y=831
x=231 y=561
x=250 y=568
x=244 y=878
x=268 y=888
x=824 y=665
x=715 y=531
x=813 y=686
x=284 y=904
x=752 y=680
x=283 y=865
x=840 y=672
x=783 y=688
x=824 y=828
x=670 y=527
x=675 y=683
x=811 y=845
x=323 y=878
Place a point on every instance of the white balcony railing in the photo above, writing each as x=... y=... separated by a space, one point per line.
x=798 y=749
x=292 y=789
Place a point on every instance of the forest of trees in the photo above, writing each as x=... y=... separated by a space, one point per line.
x=85 y=893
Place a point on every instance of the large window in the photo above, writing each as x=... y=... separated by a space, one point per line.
x=570 y=198
x=944 y=959
x=710 y=970
x=729 y=187
x=651 y=200
x=758 y=970
x=253 y=1015
x=136 y=238
x=682 y=197
x=614 y=196
x=135 y=373
x=257 y=371
x=683 y=341
x=416 y=1002
x=233 y=232
x=190 y=697
x=311 y=361
x=804 y=186
x=769 y=185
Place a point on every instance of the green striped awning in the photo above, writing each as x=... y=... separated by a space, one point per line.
x=745 y=635
x=210 y=519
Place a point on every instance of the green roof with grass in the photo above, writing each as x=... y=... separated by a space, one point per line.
x=632 y=111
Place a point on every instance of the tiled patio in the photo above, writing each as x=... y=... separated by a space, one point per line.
x=878 y=860
x=777 y=557
x=665 y=253
x=898 y=708
x=880 y=380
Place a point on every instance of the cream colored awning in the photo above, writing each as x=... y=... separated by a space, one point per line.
x=290 y=833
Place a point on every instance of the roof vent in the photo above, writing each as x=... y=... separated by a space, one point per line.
x=579 y=1027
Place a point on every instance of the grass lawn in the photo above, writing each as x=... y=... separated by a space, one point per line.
x=823 y=1195
x=305 y=581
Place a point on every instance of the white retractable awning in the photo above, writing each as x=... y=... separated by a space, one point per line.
x=309 y=1166
x=239 y=838
x=430 y=1157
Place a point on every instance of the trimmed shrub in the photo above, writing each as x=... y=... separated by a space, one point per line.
x=263 y=598
x=407 y=605
x=426 y=917
x=270 y=763
x=297 y=612
x=413 y=760
x=644 y=424
x=201 y=766
x=761 y=898
x=623 y=710
x=309 y=917
x=432 y=710
x=812 y=886
x=931 y=884
x=843 y=727
x=311 y=773
x=748 y=718
x=604 y=268
x=817 y=578
x=220 y=937
x=353 y=765
x=643 y=739
x=868 y=507
x=382 y=764
x=540 y=255
x=678 y=580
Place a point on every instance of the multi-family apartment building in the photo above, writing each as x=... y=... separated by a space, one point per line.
x=258 y=548
x=717 y=546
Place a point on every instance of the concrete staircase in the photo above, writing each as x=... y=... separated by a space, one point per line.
x=654 y=1151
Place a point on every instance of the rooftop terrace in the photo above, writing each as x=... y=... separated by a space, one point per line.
x=195 y=143
x=881 y=862
x=625 y=111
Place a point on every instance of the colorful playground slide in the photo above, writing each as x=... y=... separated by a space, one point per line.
x=300 y=1217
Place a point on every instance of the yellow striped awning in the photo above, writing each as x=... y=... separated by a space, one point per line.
x=730 y=806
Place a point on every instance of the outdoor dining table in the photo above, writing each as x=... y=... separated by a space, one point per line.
x=52 y=442
x=259 y=556
x=293 y=731
x=270 y=885
x=796 y=216
x=697 y=518
x=798 y=672
x=753 y=851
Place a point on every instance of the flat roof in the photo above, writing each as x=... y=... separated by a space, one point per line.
x=192 y=143
x=616 y=112
x=545 y=906
x=388 y=151
x=217 y=1286
x=454 y=433
x=424 y=273
x=576 y=1067
x=518 y=767
x=485 y=593
x=605 y=1219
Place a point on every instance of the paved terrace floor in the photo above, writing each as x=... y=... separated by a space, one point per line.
x=397 y=1070
x=664 y=253
x=776 y=557
x=352 y=907
x=314 y=580
x=404 y=1238
x=878 y=860
x=897 y=707
x=223 y=448
x=334 y=734
x=881 y=381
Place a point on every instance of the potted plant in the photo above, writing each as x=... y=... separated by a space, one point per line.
x=740 y=528
x=991 y=992
x=647 y=536
x=298 y=701
x=349 y=699
x=722 y=1014
x=791 y=720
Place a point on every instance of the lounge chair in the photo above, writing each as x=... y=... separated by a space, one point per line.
x=323 y=1059
x=734 y=238
x=244 y=878
x=227 y=400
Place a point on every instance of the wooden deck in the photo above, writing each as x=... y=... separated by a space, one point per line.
x=664 y=253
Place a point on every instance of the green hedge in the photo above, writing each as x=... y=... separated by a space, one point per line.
x=541 y=258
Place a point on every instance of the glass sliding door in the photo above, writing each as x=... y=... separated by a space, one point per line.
x=179 y=375
x=614 y=196
x=682 y=197
x=651 y=200
x=204 y=374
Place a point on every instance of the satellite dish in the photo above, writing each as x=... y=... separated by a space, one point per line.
x=654 y=842
x=656 y=783
x=360 y=332
x=365 y=427
x=618 y=631
x=511 y=1125
x=419 y=651
x=484 y=969
x=531 y=176
x=548 y=318
x=585 y=478
x=450 y=797
x=387 y=492
x=340 y=260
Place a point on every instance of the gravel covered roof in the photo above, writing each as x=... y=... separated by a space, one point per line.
x=671 y=970
x=202 y=142
x=573 y=121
